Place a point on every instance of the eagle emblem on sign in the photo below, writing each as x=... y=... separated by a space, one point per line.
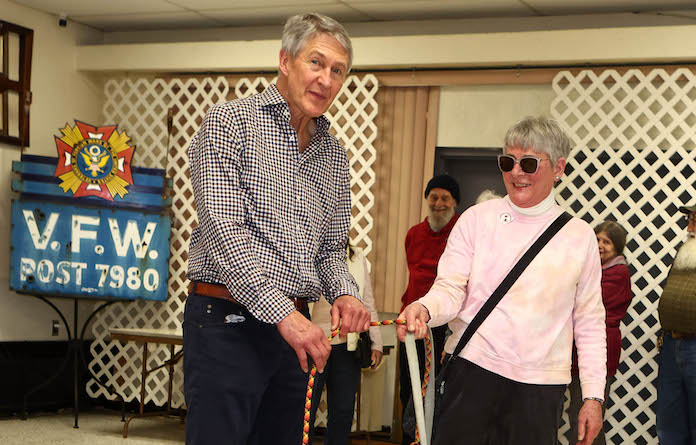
x=94 y=161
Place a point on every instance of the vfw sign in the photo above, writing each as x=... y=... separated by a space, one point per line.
x=64 y=250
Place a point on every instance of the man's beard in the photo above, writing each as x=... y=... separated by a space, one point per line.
x=686 y=256
x=437 y=220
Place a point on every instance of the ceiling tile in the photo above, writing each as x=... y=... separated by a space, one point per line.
x=99 y=7
x=278 y=15
x=439 y=9
x=202 y=5
x=555 y=7
x=691 y=13
x=147 y=22
x=173 y=14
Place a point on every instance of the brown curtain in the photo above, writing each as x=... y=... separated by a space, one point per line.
x=407 y=126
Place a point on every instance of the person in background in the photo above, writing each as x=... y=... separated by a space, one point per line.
x=342 y=372
x=676 y=378
x=424 y=244
x=487 y=195
x=616 y=296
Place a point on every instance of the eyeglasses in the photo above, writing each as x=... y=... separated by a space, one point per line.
x=528 y=164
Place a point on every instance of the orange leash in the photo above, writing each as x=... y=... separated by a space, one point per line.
x=313 y=373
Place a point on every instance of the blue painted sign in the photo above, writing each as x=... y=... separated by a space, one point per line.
x=67 y=250
x=87 y=224
x=149 y=190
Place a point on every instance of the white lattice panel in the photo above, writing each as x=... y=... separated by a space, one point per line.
x=141 y=107
x=632 y=161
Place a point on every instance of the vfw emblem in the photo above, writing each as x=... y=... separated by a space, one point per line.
x=94 y=161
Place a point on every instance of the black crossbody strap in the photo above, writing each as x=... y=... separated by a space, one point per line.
x=509 y=280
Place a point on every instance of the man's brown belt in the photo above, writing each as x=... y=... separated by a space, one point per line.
x=220 y=291
x=681 y=335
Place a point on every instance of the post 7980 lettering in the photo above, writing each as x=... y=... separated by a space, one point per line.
x=89 y=253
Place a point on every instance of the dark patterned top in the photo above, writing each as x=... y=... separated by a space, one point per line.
x=272 y=222
x=677 y=308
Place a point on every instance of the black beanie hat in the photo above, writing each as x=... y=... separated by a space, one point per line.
x=444 y=182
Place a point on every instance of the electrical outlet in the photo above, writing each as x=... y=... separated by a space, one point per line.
x=55 y=328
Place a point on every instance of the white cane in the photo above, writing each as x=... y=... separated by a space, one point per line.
x=424 y=415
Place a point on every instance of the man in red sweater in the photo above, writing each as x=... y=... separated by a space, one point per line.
x=425 y=243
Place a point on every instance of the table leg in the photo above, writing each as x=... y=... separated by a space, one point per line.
x=76 y=344
x=171 y=377
x=173 y=358
x=143 y=382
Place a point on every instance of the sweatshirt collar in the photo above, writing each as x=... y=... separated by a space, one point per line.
x=543 y=207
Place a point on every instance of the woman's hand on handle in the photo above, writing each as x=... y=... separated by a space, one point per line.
x=417 y=317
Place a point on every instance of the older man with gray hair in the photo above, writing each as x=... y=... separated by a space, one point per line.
x=676 y=379
x=272 y=192
x=506 y=385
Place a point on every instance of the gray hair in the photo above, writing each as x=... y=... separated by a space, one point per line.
x=539 y=133
x=487 y=195
x=299 y=29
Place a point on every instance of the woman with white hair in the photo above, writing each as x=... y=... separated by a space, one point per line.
x=487 y=195
x=507 y=384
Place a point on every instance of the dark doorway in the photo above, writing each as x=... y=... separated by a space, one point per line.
x=476 y=169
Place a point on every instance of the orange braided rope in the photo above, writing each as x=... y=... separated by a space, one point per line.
x=313 y=373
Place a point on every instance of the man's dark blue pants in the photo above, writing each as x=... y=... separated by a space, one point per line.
x=242 y=381
x=676 y=392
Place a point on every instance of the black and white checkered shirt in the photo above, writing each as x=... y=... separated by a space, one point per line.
x=272 y=222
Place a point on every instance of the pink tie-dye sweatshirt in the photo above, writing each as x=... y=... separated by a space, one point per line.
x=529 y=335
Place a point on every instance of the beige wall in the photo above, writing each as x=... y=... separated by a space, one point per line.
x=479 y=116
x=60 y=94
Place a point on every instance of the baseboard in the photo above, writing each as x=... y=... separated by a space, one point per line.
x=24 y=365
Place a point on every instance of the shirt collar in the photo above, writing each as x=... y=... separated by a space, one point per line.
x=271 y=97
